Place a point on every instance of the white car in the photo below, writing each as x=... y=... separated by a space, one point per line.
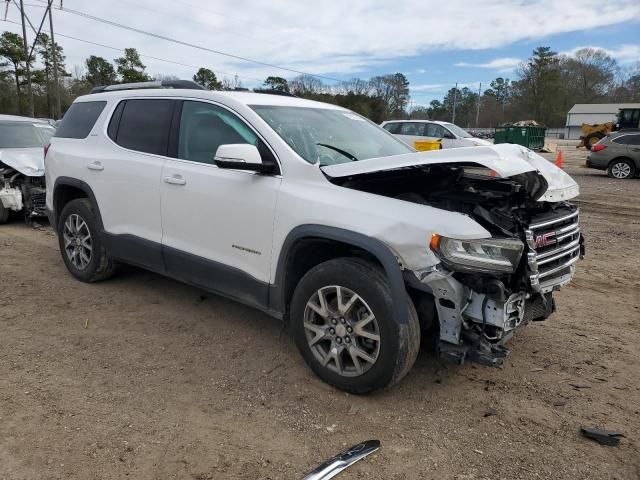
x=450 y=135
x=22 y=187
x=318 y=217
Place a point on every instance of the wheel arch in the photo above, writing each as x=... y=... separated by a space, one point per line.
x=303 y=242
x=67 y=189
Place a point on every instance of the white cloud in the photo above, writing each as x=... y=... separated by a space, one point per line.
x=506 y=64
x=333 y=37
x=421 y=70
x=430 y=87
x=625 y=53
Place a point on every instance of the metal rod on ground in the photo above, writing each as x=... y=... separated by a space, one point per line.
x=26 y=57
x=478 y=109
x=455 y=98
x=56 y=88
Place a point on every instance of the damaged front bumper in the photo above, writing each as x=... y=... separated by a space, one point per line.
x=474 y=325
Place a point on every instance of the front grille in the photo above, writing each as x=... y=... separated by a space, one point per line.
x=554 y=247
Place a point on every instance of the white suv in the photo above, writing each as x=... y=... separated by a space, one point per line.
x=317 y=216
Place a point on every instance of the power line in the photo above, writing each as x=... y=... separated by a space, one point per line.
x=111 y=47
x=187 y=44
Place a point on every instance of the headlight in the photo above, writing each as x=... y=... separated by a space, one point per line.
x=484 y=255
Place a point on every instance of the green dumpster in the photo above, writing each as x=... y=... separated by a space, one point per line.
x=530 y=136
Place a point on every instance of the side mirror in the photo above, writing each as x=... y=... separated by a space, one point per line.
x=241 y=156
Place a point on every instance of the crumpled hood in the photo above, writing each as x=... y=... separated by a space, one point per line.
x=506 y=160
x=28 y=161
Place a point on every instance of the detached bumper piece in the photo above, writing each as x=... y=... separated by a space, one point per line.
x=340 y=462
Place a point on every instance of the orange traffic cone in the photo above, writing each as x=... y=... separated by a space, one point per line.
x=559 y=160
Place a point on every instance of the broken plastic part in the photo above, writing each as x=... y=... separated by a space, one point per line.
x=11 y=198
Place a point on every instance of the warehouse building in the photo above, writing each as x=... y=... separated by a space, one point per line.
x=591 y=113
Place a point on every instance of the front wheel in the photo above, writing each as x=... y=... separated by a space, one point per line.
x=344 y=326
x=621 y=169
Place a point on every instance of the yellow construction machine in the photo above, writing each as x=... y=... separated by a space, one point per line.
x=627 y=118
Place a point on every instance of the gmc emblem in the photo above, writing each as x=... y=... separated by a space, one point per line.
x=545 y=240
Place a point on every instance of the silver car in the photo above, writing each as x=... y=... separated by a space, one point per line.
x=617 y=153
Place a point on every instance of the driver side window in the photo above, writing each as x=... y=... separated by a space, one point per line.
x=204 y=127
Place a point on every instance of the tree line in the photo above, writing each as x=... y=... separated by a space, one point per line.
x=547 y=86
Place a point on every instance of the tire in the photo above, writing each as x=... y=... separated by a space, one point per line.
x=4 y=214
x=94 y=265
x=621 y=169
x=353 y=333
x=591 y=139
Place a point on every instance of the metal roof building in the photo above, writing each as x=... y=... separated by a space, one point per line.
x=592 y=113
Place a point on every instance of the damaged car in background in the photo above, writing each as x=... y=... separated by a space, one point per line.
x=22 y=185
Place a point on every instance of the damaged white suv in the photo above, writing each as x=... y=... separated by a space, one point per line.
x=317 y=216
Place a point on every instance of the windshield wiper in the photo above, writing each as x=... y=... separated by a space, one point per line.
x=340 y=151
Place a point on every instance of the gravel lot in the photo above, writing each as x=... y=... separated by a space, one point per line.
x=145 y=377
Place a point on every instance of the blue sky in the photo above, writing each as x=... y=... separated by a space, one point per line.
x=434 y=43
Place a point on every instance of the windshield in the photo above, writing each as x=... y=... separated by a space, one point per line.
x=24 y=134
x=457 y=131
x=330 y=136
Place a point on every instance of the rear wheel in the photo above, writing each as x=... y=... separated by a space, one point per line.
x=344 y=326
x=621 y=169
x=81 y=244
x=591 y=139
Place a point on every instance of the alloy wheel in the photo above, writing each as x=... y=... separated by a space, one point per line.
x=342 y=331
x=621 y=170
x=77 y=241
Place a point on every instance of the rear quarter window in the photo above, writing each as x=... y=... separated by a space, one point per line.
x=79 y=119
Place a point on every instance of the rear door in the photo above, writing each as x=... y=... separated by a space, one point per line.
x=125 y=179
x=633 y=148
x=217 y=223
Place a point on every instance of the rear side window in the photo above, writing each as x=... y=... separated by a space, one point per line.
x=79 y=119
x=412 y=128
x=627 y=140
x=144 y=125
x=392 y=127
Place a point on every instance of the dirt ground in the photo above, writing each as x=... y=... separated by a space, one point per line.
x=143 y=377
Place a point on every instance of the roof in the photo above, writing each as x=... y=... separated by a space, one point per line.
x=438 y=122
x=601 y=107
x=246 y=98
x=15 y=118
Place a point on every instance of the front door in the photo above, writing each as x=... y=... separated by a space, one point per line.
x=217 y=224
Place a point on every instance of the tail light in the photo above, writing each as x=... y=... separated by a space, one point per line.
x=46 y=149
x=597 y=148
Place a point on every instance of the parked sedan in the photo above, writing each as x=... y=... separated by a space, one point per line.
x=617 y=153
x=450 y=135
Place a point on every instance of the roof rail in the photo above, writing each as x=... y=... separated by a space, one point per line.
x=271 y=91
x=183 y=84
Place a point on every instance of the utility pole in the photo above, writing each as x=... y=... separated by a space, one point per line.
x=455 y=99
x=478 y=109
x=57 y=111
x=27 y=60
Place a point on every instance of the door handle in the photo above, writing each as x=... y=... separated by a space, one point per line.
x=175 y=180
x=97 y=166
